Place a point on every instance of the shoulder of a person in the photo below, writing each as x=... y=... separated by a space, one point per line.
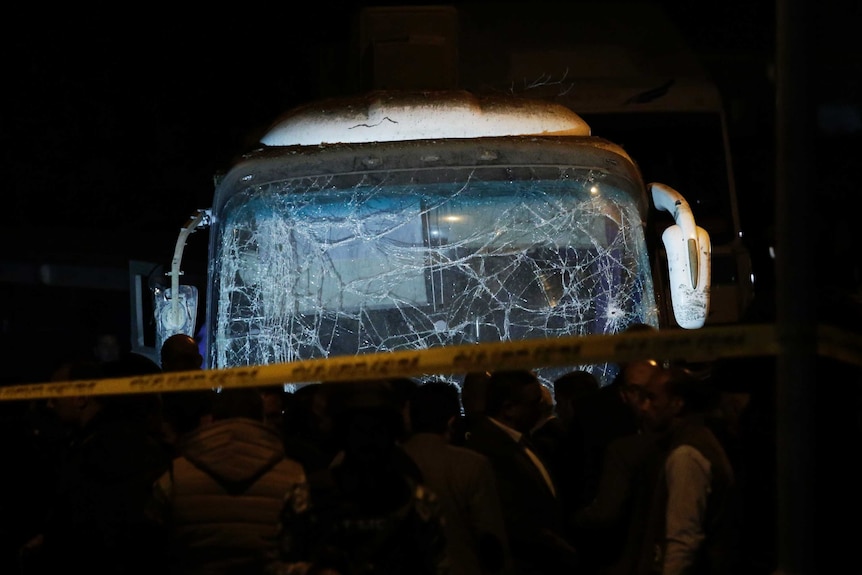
x=686 y=456
x=292 y=465
x=466 y=456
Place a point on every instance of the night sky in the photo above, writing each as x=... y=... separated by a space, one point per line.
x=123 y=128
x=113 y=125
x=121 y=123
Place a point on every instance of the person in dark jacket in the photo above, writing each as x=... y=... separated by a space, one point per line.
x=370 y=514
x=220 y=502
x=96 y=522
x=613 y=412
x=532 y=511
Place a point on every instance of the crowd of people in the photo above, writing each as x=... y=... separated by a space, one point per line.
x=498 y=473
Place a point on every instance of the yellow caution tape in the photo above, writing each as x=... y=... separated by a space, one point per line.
x=702 y=345
x=839 y=344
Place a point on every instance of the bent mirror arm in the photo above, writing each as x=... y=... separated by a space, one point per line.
x=175 y=309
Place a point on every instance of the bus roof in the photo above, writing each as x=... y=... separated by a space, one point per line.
x=384 y=116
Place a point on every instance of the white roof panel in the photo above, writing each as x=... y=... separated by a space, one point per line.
x=401 y=116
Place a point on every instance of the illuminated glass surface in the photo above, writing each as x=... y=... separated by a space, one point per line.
x=353 y=264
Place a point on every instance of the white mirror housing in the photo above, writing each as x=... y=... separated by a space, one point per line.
x=689 y=254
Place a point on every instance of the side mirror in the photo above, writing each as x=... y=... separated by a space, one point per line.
x=689 y=258
x=175 y=308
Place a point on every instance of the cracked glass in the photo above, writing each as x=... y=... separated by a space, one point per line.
x=360 y=263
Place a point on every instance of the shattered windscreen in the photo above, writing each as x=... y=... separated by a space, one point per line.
x=363 y=263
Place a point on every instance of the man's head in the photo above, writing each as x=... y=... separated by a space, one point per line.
x=367 y=418
x=634 y=376
x=671 y=393
x=106 y=347
x=434 y=408
x=515 y=398
x=76 y=410
x=570 y=389
x=180 y=353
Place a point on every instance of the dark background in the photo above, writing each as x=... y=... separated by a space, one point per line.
x=114 y=124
